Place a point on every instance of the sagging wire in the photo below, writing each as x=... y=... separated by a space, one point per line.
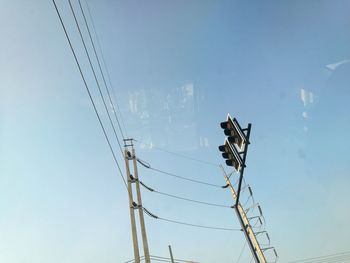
x=148 y=166
x=200 y=226
x=183 y=198
x=133 y=260
x=188 y=224
x=151 y=146
x=335 y=257
x=161 y=259
x=194 y=201
x=175 y=259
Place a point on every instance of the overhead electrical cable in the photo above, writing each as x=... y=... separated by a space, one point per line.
x=151 y=146
x=148 y=166
x=167 y=260
x=185 y=178
x=339 y=259
x=327 y=258
x=321 y=257
x=89 y=93
x=183 y=198
x=105 y=66
x=241 y=253
x=188 y=224
x=333 y=260
x=161 y=259
x=176 y=259
x=133 y=260
x=199 y=226
x=191 y=200
x=100 y=68
x=94 y=73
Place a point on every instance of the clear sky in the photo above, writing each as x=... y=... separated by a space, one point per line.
x=177 y=68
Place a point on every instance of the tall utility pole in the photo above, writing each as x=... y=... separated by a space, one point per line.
x=142 y=219
x=246 y=226
x=235 y=151
x=132 y=156
x=132 y=208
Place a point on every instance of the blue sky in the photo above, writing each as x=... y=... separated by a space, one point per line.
x=177 y=68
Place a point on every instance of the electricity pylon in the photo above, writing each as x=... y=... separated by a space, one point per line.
x=132 y=156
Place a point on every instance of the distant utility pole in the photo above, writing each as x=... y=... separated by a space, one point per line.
x=171 y=254
x=234 y=151
x=132 y=156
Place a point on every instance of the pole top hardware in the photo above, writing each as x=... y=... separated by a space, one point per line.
x=128 y=142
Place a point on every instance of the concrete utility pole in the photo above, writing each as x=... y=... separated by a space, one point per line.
x=139 y=201
x=132 y=209
x=246 y=226
x=234 y=151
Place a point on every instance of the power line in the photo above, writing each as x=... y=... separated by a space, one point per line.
x=148 y=166
x=347 y=253
x=94 y=73
x=105 y=66
x=99 y=65
x=241 y=253
x=178 y=154
x=334 y=260
x=322 y=258
x=183 y=198
x=133 y=260
x=191 y=200
x=176 y=259
x=327 y=258
x=167 y=260
x=161 y=259
x=185 y=178
x=88 y=91
x=331 y=260
x=188 y=224
x=199 y=226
